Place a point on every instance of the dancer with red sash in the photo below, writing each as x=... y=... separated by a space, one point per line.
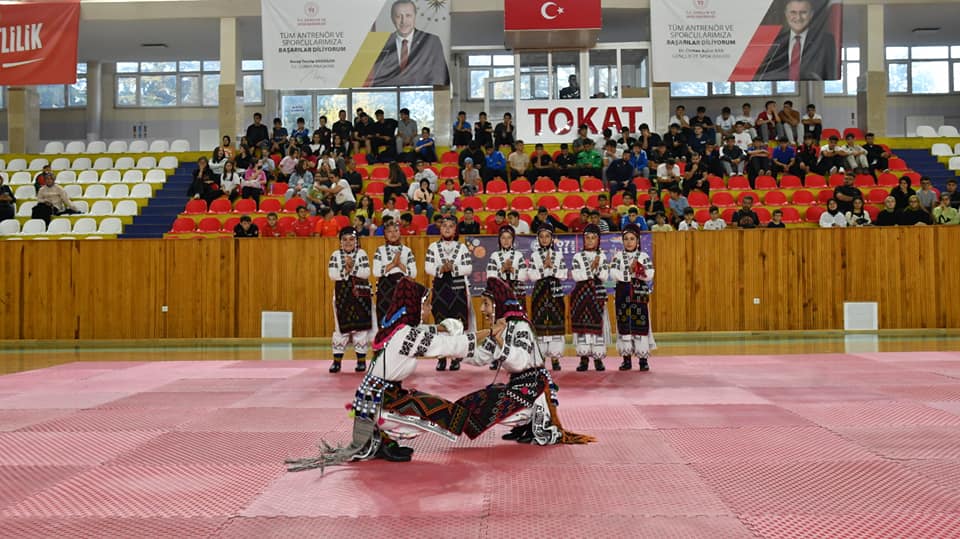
x=588 y=301
x=349 y=268
x=449 y=262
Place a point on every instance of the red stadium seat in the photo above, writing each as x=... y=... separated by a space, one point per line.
x=245 y=205
x=496 y=187
x=738 y=182
x=407 y=171
x=573 y=202
x=380 y=173
x=698 y=199
x=209 y=225
x=789 y=181
x=260 y=222
x=375 y=188
x=230 y=224
x=377 y=203
x=420 y=222
x=727 y=215
x=569 y=185
x=268 y=205
x=593 y=201
x=824 y=196
x=857 y=133
x=716 y=182
x=293 y=204
x=803 y=198
x=220 y=205
x=401 y=203
x=525 y=217
x=434 y=169
x=544 y=185
x=887 y=179
x=364 y=173
x=196 y=206
x=864 y=180
x=827 y=133
x=723 y=199
x=449 y=172
x=617 y=200
x=683 y=167
x=814 y=181
x=591 y=185
x=184 y=224
x=522 y=203
x=702 y=216
x=763 y=214
x=766 y=183
x=642 y=199
x=550 y=202
x=790 y=214
x=873 y=211
x=814 y=213
x=836 y=180
x=450 y=157
x=471 y=202
x=360 y=158
x=914 y=178
x=642 y=184
x=520 y=185
x=741 y=196
x=570 y=218
x=775 y=198
x=897 y=164
x=877 y=196
x=496 y=203
x=279 y=188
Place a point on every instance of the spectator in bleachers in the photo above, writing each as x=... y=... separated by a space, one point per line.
x=688 y=224
x=703 y=121
x=652 y=205
x=680 y=119
x=784 y=157
x=483 y=131
x=407 y=131
x=626 y=201
x=790 y=120
x=954 y=193
x=945 y=214
x=638 y=161
x=469 y=225
x=832 y=157
x=833 y=217
x=710 y=161
x=589 y=161
x=272 y=228
x=323 y=131
x=902 y=193
x=724 y=125
x=518 y=224
x=741 y=137
x=254 y=182
x=808 y=157
x=768 y=123
x=581 y=221
x=288 y=164
x=352 y=176
x=648 y=140
x=396 y=183
x=605 y=136
x=343 y=200
x=610 y=154
x=315 y=149
x=543 y=217
x=695 y=177
x=475 y=152
x=362 y=132
x=230 y=181
x=812 y=123
x=759 y=162
x=856 y=156
x=566 y=162
x=745 y=217
x=450 y=196
x=632 y=217
x=406 y=225
x=226 y=146
x=327 y=225
x=926 y=195
x=625 y=141
x=389 y=209
x=383 y=138
x=660 y=224
x=217 y=160
x=845 y=194
x=243 y=159
x=423 y=199
x=747 y=118
x=257 y=134
x=668 y=174
x=605 y=210
x=504 y=132
x=541 y=163
x=715 y=222
x=41 y=178
x=878 y=159
x=656 y=157
x=495 y=165
x=426 y=173
x=360 y=225
x=246 y=229
x=600 y=223
x=8 y=202
x=339 y=148
x=676 y=142
x=889 y=215
x=366 y=208
x=678 y=204
x=471 y=182
x=914 y=214
x=342 y=128
x=301 y=135
x=52 y=200
x=299 y=183
x=776 y=219
x=433 y=229
x=499 y=219
x=462 y=131
x=698 y=140
x=857 y=216
x=204 y=183
x=620 y=175
x=280 y=136
x=388 y=220
x=425 y=146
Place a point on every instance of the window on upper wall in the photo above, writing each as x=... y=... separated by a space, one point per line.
x=850 y=70
x=718 y=88
x=923 y=70
x=185 y=83
x=58 y=96
x=483 y=66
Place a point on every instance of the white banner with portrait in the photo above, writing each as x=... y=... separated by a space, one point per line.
x=308 y=44
x=551 y=121
x=710 y=40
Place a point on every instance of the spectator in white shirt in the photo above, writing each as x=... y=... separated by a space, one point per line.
x=343 y=200
x=518 y=224
x=688 y=223
x=748 y=119
x=741 y=137
x=715 y=222
x=724 y=125
x=668 y=173
x=425 y=173
x=299 y=182
x=218 y=160
x=449 y=195
x=230 y=180
x=832 y=218
x=390 y=209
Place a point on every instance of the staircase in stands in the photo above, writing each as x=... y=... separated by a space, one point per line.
x=167 y=203
x=925 y=164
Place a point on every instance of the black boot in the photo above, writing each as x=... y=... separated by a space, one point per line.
x=556 y=365
x=442 y=364
x=627 y=364
x=584 y=364
x=514 y=433
x=336 y=366
x=642 y=364
x=598 y=365
x=361 y=363
x=527 y=435
x=455 y=365
x=391 y=451
x=495 y=365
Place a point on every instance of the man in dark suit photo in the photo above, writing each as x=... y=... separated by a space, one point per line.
x=801 y=51
x=410 y=57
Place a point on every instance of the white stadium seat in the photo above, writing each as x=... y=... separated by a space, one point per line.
x=124 y=163
x=95 y=191
x=103 y=163
x=17 y=164
x=9 y=227
x=138 y=146
x=25 y=192
x=126 y=207
x=88 y=176
x=60 y=226
x=53 y=147
x=25 y=209
x=38 y=163
x=85 y=225
x=180 y=145
x=954 y=163
x=156 y=176
x=81 y=206
x=133 y=176
x=110 y=225
x=73 y=190
x=75 y=146
x=159 y=146
x=21 y=177
x=102 y=207
x=97 y=146
x=81 y=163
x=110 y=176
x=66 y=176
x=956 y=149
x=941 y=149
x=168 y=162
x=948 y=131
x=60 y=163
x=141 y=190
x=34 y=226
x=117 y=146
x=118 y=190
x=147 y=162
x=926 y=131
x=3 y=164
x=3 y=148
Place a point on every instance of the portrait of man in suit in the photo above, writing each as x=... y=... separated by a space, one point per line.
x=411 y=56
x=802 y=50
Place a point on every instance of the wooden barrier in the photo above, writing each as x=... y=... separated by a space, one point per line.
x=217 y=288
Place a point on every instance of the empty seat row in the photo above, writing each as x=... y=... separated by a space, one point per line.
x=66 y=177
x=943 y=131
x=940 y=149
x=61 y=226
x=100 y=207
x=95 y=190
x=168 y=162
x=117 y=146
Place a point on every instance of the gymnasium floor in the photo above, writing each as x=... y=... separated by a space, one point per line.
x=854 y=437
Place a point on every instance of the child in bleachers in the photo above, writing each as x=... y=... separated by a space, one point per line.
x=471 y=178
x=272 y=228
x=715 y=222
x=450 y=196
x=688 y=224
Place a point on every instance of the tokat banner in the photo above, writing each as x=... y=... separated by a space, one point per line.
x=551 y=121
x=38 y=43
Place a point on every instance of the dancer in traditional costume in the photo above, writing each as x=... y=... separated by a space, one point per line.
x=391 y=262
x=633 y=271
x=547 y=270
x=382 y=409
x=449 y=262
x=349 y=268
x=528 y=401
x=588 y=301
x=508 y=264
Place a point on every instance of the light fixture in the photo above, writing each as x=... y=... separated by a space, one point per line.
x=926 y=30
x=154 y=45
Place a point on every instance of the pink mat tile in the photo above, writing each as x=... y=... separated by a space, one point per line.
x=818 y=394
x=764 y=444
x=118 y=419
x=302 y=398
x=19 y=482
x=118 y=527
x=182 y=399
x=874 y=414
x=363 y=526
x=945 y=473
x=696 y=395
x=64 y=399
x=923 y=393
x=665 y=527
x=922 y=442
x=11 y=420
x=272 y=420
x=190 y=385
x=875 y=526
x=684 y=416
x=241 y=448
x=67 y=448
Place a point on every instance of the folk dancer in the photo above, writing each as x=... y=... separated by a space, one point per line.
x=588 y=301
x=633 y=271
x=508 y=264
x=547 y=270
x=528 y=401
x=382 y=409
x=449 y=263
x=391 y=262
x=349 y=268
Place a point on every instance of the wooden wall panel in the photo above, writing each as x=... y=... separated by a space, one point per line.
x=946 y=246
x=48 y=288
x=11 y=295
x=201 y=288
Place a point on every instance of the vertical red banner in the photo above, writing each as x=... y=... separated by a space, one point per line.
x=38 y=43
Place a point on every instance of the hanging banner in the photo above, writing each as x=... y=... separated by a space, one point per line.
x=709 y=40
x=379 y=43
x=551 y=121
x=554 y=24
x=481 y=247
x=38 y=43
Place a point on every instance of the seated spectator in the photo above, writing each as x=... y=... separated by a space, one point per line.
x=322 y=131
x=596 y=220
x=688 y=224
x=425 y=173
x=878 y=159
x=230 y=181
x=543 y=217
x=784 y=157
x=661 y=224
x=316 y=195
x=605 y=210
x=352 y=176
x=389 y=209
x=857 y=216
x=469 y=225
x=676 y=142
x=902 y=193
x=41 y=178
x=541 y=164
x=620 y=176
x=668 y=174
x=954 y=193
x=217 y=161
x=768 y=123
x=495 y=166
x=257 y=134
x=406 y=131
x=327 y=226
x=363 y=131
x=833 y=217
x=396 y=183
x=812 y=124
x=226 y=146
x=406 y=225
x=790 y=121
x=710 y=161
x=299 y=182
x=244 y=160
x=715 y=222
x=845 y=194
x=926 y=195
x=580 y=222
x=567 y=162
x=383 y=138
x=732 y=158
x=889 y=215
x=423 y=199
x=580 y=142
x=706 y=124
x=280 y=134
x=339 y=147
x=288 y=164
x=499 y=219
x=303 y=227
x=807 y=158
x=474 y=152
x=627 y=200
x=360 y=225
x=8 y=202
x=832 y=157
x=648 y=140
x=483 y=131
x=914 y=214
x=387 y=219
x=471 y=182
x=433 y=229
x=741 y=137
x=204 y=185
x=758 y=162
x=945 y=214
x=653 y=205
x=745 y=217
x=680 y=119
x=343 y=200
x=272 y=228
x=246 y=228
x=632 y=217
x=747 y=118
x=609 y=155
x=254 y=182
x=450 y=196
x=776 y=219
x=695 y=176
x=856 y=155
x=518 y=224
x=724 y=125
x=625 y=142
x=462 y=131
x=638 y=160
x=343 y=129
x=589 y=161
x=698 y=140
x=678 y=204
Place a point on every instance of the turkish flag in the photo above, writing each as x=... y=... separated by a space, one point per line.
x=551 y=14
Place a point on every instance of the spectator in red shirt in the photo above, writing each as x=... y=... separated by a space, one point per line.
x=500 y=219
x=303 y=226
x=327 y=225
x=272 y=229
x=406 y=225
x=577 y=226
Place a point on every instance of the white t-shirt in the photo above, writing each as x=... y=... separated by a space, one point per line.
x=345 y=194
x=833 y=221
x=683 y=226
x=725 y=125
x=449 y=196
x=747 y=120
x=428 y=175
x=662 y=171
x=743 y=140
x=522 y=227
x=715 y=224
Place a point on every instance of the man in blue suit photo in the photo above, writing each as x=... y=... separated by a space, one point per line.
x=411 y=57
